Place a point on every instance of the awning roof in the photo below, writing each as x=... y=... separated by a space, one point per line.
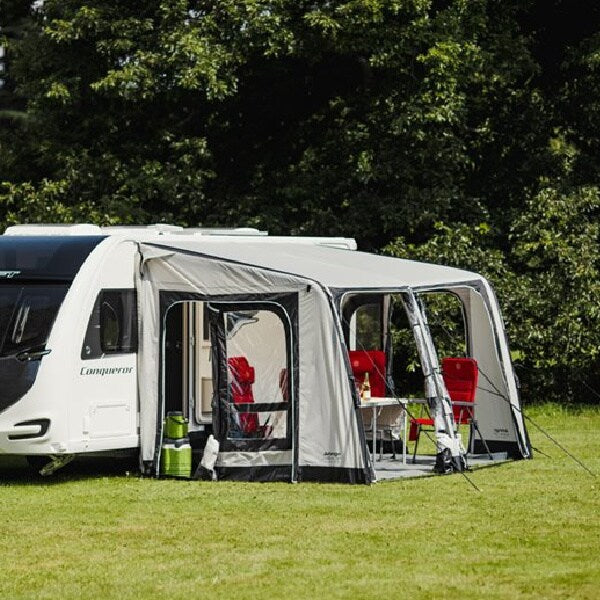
x=333 y=267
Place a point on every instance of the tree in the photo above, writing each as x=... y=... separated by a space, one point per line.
x=386 y=117
x=369 y=118
x=372 y=117
x=117 y=95
x=548 y=283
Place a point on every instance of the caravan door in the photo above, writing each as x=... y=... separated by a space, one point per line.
x=106 y=388
x=188 y=374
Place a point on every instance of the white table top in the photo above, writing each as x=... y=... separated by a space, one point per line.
x=374 y=401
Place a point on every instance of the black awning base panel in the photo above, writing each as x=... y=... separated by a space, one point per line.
x=259 y=474
x=511 y=448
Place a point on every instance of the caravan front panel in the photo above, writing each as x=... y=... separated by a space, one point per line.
x=36 y=273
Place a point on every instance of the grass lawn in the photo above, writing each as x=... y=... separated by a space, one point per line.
x=532 y=532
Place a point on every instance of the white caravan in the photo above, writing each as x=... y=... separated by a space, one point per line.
x=68 y=327
x=105 y=330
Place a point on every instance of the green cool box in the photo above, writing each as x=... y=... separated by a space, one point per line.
x=176 y=458
x=176 y=426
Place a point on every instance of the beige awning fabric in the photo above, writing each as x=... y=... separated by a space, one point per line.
x=329 y=438
x=332 y=267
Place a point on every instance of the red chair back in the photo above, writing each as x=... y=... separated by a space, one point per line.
x=460 y=377
x=283 y=384
x=242 y=378
x=373 y=363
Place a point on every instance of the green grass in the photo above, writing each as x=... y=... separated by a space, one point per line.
x=532 y=532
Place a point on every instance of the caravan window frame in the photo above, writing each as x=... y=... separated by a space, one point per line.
x=93 y=339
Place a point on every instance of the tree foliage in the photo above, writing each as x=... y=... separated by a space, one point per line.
x=548 y=283
x=463 y=132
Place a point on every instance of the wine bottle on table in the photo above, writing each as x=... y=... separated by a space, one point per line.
x=366 y=388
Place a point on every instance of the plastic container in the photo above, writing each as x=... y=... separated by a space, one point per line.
x=176 y=458
x=176 y=426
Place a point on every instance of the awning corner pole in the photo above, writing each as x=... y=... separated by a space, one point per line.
x=436 y=390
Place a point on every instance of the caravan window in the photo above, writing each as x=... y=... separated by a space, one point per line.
x=27 y=313
x=112 y=328
x=44 y=258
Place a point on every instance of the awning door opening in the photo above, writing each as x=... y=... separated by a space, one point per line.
x=229 y=366
x=403 y=342
x=254 y=356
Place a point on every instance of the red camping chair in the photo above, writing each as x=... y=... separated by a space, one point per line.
x=283 y=384
x=460 y=378
x=242 y=378
x=373 y=363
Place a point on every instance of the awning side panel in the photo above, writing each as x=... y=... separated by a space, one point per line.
x=328 y=442
x=497 y=407
x=330 y=446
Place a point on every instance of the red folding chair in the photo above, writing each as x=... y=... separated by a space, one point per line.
x=460 y=378
x=242 y=378
x=414 y=433
x=283 y=384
